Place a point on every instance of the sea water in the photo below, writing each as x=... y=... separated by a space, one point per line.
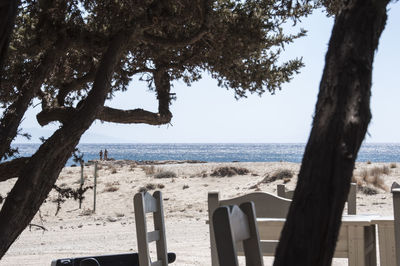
x=218 y=152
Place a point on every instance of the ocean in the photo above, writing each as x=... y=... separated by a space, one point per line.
x=218 y=152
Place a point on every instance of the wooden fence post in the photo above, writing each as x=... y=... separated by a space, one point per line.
x=80 y=196
x=94 y=187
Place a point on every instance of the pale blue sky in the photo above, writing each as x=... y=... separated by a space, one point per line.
x=207 y=113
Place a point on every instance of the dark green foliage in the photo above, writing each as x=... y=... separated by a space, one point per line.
x=240 y=47
x=229 y=171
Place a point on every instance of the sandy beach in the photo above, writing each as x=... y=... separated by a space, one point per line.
x=111 y=229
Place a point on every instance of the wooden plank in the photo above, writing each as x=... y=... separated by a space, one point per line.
x=153 y=236
x=267 y=205
x=157 y=263
x=150 y=203
x=141 y=229
x=158 y=217
x=396 y=209
x=356 y=245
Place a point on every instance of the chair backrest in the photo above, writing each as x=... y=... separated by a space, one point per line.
x=266 y=205
x=145 y=203
x=233 y=225
x=396 y=210
x=351 y=198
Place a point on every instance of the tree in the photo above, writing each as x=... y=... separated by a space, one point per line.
x=71 y=55
x=341 y=120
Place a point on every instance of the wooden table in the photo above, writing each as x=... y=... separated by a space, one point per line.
x=356 y=239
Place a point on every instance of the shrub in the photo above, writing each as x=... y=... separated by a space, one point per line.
x=229 y=171
x=113 y=170
x=185 y=186
x=374 y=177
x=148 y=170
x=150 y=186
x=377 y=171
x=87 y=212
x=393 y=165
x=367 y=190
x=282 y=174
x=111 y=189
x=160 y=186
x=165 y=174
x=111 y=186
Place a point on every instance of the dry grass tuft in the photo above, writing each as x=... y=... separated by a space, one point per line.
x=148 y=170
x=113 y=170
x=161 y=186
x=87 y=212
x=165 y=174
x=111 y=186
x=374 y=177
x=185 y=186
x=282 y=174
x=229 y=171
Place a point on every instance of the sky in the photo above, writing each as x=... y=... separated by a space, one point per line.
x=206 y=113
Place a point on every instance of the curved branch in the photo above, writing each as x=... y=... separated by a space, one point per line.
x=136 y=116
x=61 y=114
x=74 y=85
x=12 y=168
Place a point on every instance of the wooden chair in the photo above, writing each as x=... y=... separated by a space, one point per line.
x=396 y=210
x=266 y=205
x=233 y=225
x=145 y=203
x=351 y=198
x=356 y=240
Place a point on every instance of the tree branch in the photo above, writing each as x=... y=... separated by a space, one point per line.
x=74 y=85
x=12 y=168
x=61 y=114
x=181 y=42
x=135 y=116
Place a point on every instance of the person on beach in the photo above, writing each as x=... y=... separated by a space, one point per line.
x=105 y=154
x=101 y=155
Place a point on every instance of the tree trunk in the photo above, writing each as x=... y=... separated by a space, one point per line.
x=40 y=173
x=8 y=12
x=341 y=120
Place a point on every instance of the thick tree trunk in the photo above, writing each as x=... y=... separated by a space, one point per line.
x=8 y=12
x=341 y=120
x=40 y=173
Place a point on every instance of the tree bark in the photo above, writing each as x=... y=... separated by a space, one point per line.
x=12 y=168
x=8 y=12
x=40 y=173
x=341 y=119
